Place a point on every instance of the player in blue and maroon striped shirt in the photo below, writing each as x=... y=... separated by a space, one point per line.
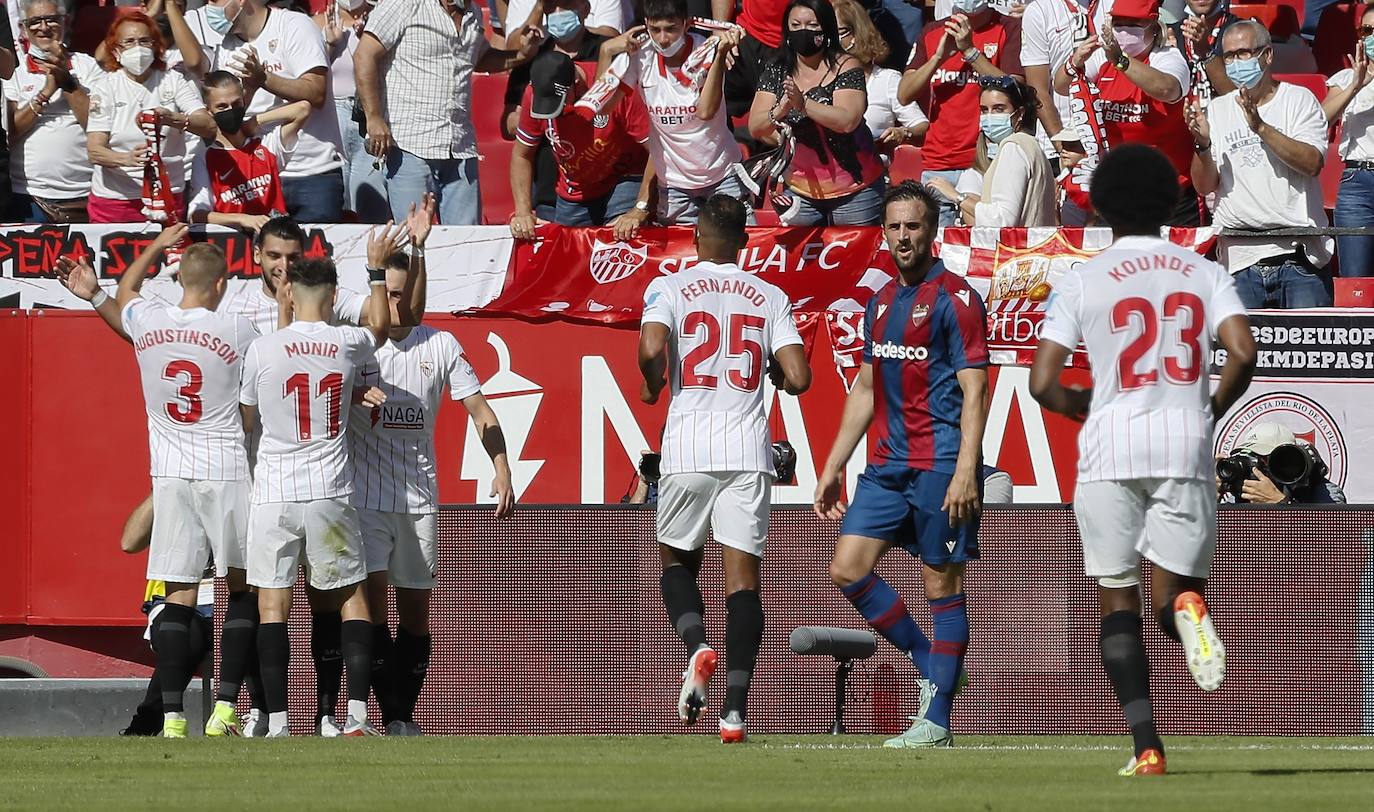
x=924 y=387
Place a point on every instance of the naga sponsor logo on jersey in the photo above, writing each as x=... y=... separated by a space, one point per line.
x=404 y=416
x=900 y=352
x=1309 y=421
x=612 y=262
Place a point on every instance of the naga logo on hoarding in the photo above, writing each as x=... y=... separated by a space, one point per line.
x=1308 y=420
x=612 y=262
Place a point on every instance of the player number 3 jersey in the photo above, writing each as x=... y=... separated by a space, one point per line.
x=1147 y=311
x=725 y=324
x=301 y=380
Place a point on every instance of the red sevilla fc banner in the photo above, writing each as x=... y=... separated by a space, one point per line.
x=587 y=275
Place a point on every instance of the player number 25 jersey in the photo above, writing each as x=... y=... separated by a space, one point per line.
x=301 y=380
x=1147 y=311
x=725 y=324
x=190 y=362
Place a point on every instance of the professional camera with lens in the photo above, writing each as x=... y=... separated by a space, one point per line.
x=649 y=463
x=1232 y=471
x=1296 y=466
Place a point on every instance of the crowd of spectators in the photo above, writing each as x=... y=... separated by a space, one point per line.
x=633 y=112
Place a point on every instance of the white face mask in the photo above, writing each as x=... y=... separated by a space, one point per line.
x=136 y=60
x=1133 y=39
x=671 y=50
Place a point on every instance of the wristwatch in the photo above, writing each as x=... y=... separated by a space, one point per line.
x=642 y=206
x=1122 y=62
x=971 y=54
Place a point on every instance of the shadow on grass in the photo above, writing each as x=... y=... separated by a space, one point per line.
x=1282 y=771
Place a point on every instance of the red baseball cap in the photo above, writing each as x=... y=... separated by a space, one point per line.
x=1136 y=9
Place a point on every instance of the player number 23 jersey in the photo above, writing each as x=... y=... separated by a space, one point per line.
x=725 y=324
x=1148 y=312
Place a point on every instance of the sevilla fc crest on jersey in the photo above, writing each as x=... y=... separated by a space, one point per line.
x=919 y=313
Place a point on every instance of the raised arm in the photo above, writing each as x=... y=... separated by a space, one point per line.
x=708 y=104
x=131 y=281
x=419 y=223
x=79 y=278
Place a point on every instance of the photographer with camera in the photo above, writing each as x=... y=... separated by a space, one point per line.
x=1271 y=466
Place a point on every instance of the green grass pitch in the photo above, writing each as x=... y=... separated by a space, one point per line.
x=1064 y=774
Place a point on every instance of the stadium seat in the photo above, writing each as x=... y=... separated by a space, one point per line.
x=1354 y=292
x=1335 y=37
x=488 y=101
x=1314 y=82
x=906 y=163
x=1282 y=21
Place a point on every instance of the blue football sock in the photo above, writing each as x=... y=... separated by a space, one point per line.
x=947 y=654
x=886 y=612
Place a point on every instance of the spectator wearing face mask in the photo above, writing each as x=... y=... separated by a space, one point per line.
x=600 y=158
x=890 y=122
x=47 y=99
x=209 y=23
x=1018 y=189
x=1142 y=85
x=136 y=80
x=692 y=151
x=236 y=182
x=603 y=18
x=1350 y=102
x=1260 y=148
x=364 y=184
x=973 y=42
x=819 y=91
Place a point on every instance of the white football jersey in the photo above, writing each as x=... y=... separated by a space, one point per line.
x=190 y=362
x=725 y=324
x=252 y=302
x=393 y=444
x=1147 y=311
x=301 y=380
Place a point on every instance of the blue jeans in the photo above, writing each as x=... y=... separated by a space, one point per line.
x=679 y=206
x=949 y=209
x=365 y=186
x=601 y=211
x=1290 y=285
x=862 y=208
x=315 y=198
x=24 y=209
x=1355 y=208
x=453 y=181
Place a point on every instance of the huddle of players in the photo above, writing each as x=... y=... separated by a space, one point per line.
x=282 y=434
x=1147 y=311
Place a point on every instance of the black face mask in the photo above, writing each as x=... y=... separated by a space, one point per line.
x=230 y=121
x=804 y=42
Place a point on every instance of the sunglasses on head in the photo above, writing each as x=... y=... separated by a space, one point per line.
x=997 y=82
x=1365 y=30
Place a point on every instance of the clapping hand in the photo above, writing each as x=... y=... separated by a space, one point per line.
x=1085 y=49
x=420 y=220
x=960 y=31
x=383 y=241
x=1197 y=123
x=1249 y=107
x=78 y=277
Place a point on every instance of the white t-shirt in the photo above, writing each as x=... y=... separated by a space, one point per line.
x=116 y=101
x=50 y=161
x=301 y=379
x=190 y=363
x=617 y=14
x=884 y=110
x=725 y=324
x=1357 y=122
x=291 y=45
x=1148 y=312
x=253 y=303
x=688 y=153
x=393 y=444
x=1258 y=190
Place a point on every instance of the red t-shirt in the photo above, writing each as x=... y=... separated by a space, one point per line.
x=763 y=19
x=1129 y=115
x=952 y=140
x=593 y=153
x=243 y=181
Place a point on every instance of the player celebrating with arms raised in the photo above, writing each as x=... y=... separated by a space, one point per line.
x=924 y=379
x=1147 y=311
x=717 y=328
x=298 y=380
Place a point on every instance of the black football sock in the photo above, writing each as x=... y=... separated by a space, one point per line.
x=383 y=686
x=274 y=656
x=356 y=636
x=412 y=661
x=257 y=697
x=1123 y=655
x=743 y=636
x=686 y=610
x=172 y=641
x=326 y=649
x=236 y=643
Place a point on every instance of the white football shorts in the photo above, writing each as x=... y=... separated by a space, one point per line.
x=1172 y=522
x=734 y=505
x=322 y=534
x=403 y=545
x=194 y=522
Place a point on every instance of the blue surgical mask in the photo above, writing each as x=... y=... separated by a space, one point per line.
x=970 y=6
x=1245 y=73
x=216 y=19
x=1369 y=47
x=996 y=126
x=563 y=24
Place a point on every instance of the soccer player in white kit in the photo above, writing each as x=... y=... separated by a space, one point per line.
x=395 y=489
x=189 y=360
x=299 y=381
x=715 y=330
x=1148 y=312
